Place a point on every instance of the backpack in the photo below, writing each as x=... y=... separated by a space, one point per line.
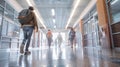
x=24 y=16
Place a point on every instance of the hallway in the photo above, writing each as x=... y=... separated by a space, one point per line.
x=64 y=57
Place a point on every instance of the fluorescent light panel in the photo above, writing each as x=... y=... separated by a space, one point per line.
x=53 y=12
x=72 y=13
x=113 y=2
x=85 y=11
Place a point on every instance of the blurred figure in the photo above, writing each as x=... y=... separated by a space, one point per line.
x=71 y=36
x=49 y=37
x=56 y=42
x=59 y=39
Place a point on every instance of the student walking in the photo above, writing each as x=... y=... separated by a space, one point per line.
x=28 y=24
x=59 y=39
x=71 y=36
x=49 y=37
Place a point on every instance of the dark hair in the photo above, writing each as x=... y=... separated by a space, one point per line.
x=31 y=8
x=72 y=28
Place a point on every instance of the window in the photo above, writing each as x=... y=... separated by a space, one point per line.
x=0 y=23
x=9 y=12
x=1 y=10
x=2 y=3
x=85 y=28
x=4 y=28
x=13 y=30
x=15 y=17
x=115 y=11
x=9 y=8
x=9 y=15
x=0 y=19
x=10 y=29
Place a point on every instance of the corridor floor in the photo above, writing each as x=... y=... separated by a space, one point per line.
x=61 y=57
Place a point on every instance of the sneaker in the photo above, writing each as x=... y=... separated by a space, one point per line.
x=22 y=49
x=27 y=53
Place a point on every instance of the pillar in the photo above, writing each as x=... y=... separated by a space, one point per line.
x=103 y=22
x=81 y=30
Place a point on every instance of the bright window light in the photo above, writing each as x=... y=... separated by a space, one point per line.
x=28 y=1
x=55 y=26
x=113 y=2
x=53 y=20
x=53 y=12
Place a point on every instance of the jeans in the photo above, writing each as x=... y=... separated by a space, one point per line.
x=49 y=41
x=71 y=41
x=27 y=30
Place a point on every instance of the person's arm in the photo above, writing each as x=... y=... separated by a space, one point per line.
x=35 y=22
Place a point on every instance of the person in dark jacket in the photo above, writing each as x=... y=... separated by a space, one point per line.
x=71 y=36
x=28 y=28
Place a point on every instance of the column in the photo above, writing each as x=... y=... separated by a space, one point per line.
x=103 y=23
x=81 y=30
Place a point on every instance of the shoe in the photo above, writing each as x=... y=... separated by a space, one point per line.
x=27 y=53
x=22 y=49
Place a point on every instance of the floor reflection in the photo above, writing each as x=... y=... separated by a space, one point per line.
x=23 y=61
x=61 y=57
x=49 y=57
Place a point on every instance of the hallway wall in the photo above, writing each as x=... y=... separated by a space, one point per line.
x=103 y=26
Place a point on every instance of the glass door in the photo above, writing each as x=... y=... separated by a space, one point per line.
x=0 y=23
x=91 y=37
x=95 y=31
x=93 y=28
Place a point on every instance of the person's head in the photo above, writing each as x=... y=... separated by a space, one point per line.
x=31 y=8
x=72 y=28
x=48 y=30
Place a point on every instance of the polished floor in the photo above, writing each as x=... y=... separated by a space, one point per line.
x=61 y=57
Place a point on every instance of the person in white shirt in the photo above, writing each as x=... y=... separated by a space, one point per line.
x=59 y=39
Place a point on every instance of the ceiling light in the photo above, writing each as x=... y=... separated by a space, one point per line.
x=85 y=11
x=28 y=1
x=53 y=12
x=72 y=13
x=113 y=2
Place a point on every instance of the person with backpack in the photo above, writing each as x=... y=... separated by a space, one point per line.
x=49 y=37
x=71 y=36
x=28 y=23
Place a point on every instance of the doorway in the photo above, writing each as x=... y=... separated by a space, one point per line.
x=91 y=29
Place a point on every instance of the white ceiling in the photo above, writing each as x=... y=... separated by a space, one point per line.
x=62 y=8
